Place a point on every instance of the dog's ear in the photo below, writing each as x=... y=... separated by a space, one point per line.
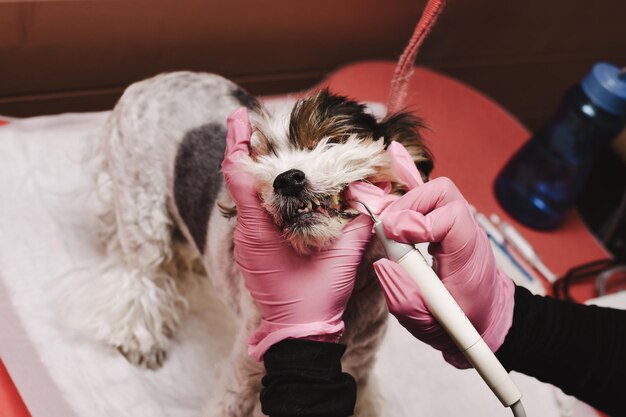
x=404 y=127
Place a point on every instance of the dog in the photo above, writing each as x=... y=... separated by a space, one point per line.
x=166 y=214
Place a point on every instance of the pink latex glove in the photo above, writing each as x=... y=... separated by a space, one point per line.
x=437 y=212
x=298 y=296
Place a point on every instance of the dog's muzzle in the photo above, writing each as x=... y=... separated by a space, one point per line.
x=301 y=206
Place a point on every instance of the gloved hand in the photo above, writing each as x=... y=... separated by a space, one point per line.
x=298 y=296
x=437 y=212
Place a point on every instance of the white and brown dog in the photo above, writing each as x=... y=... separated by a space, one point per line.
x=166 y=212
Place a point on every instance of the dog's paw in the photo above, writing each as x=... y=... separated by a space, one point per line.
x=152 y=359
x=127 y=308
x=145 y=349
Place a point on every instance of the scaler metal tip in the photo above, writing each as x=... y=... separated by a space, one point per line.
x=372 y=215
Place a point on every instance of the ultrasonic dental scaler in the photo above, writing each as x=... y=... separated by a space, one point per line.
x=452 y=318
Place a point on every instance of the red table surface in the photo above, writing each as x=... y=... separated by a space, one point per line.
x=470 y=136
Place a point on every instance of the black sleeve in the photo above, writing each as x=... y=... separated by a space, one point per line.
x=304 y=378
x=580 y=349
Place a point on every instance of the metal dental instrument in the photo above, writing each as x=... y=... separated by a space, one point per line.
x=453 y=320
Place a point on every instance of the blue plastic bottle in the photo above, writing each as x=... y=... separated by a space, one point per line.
x=543 y=180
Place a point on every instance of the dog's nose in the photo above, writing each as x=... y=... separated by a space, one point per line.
x=290 y=183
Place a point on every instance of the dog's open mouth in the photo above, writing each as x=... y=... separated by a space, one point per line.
x=312 y=209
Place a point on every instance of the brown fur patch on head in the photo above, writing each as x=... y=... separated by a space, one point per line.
x=326 y=115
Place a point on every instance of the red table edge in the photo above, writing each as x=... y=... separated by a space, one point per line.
x=11 y=403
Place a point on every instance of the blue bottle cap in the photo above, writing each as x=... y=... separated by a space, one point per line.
x=606 y=88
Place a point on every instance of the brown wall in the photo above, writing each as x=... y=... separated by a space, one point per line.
x=58 y=56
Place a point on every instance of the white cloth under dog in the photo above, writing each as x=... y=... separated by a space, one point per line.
x=45 y=235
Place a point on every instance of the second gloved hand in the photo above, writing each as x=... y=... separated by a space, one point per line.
x=437 y=212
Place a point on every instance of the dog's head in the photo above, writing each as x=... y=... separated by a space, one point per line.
x=304 y=160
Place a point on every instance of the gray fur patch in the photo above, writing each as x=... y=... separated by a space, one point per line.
x=197 y=177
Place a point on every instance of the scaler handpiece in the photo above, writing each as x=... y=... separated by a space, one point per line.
x=453 y=320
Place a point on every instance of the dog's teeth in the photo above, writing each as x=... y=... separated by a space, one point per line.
x=309 y=205
x=316 y=201
x=335 y=199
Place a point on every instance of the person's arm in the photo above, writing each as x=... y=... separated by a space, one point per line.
x=580 y=349
x=304 y=379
